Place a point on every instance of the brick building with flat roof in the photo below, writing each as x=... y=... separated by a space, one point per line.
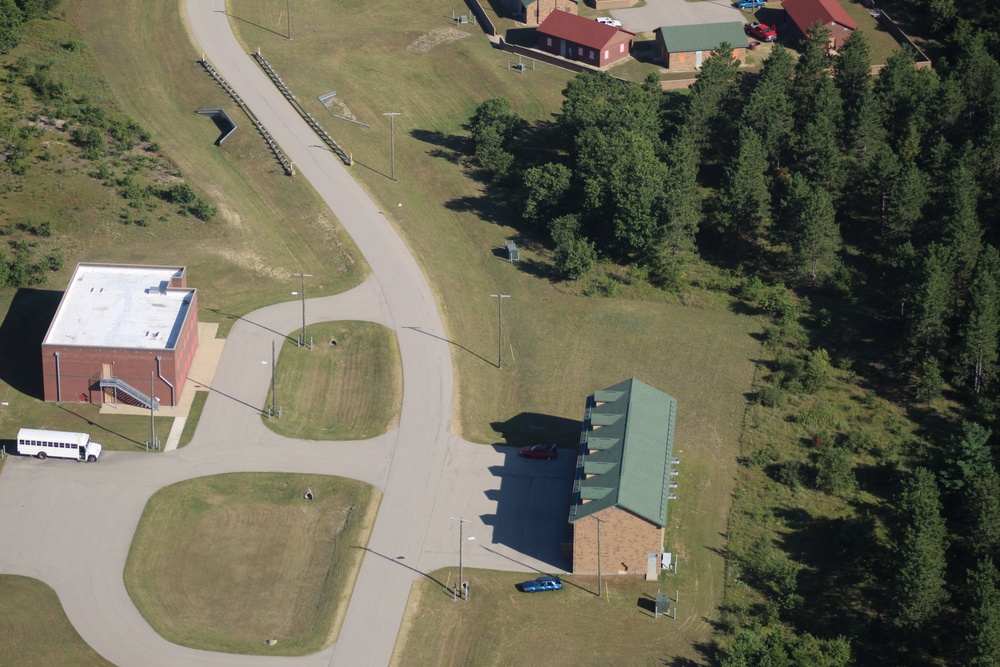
x=120 y=332
x=622 y=481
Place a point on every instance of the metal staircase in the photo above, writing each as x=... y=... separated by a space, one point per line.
x=120 y=385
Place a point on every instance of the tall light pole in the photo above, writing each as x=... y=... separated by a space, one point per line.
x=599 y=522
x=461 y=554
x=303 y=276
x=392 y=139
x=500 y=298
x=288 y=13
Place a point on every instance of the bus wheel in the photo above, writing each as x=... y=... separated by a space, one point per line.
x=91 y=458
x=41 y=455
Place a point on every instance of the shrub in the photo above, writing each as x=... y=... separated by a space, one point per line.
x=202 y=210
x=91 y=140
x=835 y=472
x=180 y=193
x=771 y=396
x=792 y=474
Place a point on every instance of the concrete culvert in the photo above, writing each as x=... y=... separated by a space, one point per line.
x=272 y=642
x=333 y=341
x=309 y=494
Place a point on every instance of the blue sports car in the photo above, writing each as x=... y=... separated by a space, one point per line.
x=750 y=4
x=542 y=584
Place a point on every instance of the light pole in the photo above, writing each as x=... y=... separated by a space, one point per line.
x=288 y=13
x=461 y=554
x=500 y=298
x=599 y=522
x=303 y=276
x=392 y=139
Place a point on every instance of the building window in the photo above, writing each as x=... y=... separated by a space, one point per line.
x=579 y=51
x=621 y=48
x=605 y=54
x=548 y=41
x=591 y=54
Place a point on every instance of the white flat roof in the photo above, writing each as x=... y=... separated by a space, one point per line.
x=121 y=306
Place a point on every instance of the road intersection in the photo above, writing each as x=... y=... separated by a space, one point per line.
x=71 y=525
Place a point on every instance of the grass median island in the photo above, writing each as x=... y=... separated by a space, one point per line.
x=225 y=563
x=348 y=387
x=35 y=630
x=500 y=625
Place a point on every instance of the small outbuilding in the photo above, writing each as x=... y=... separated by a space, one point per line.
x=585 y=40
x=121 y=332
x=800 y=15
x=685 y=47
x=622 y=482
x=512 y=253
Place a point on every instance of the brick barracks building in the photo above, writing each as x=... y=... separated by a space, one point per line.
x=622 y=480
x=121 y=331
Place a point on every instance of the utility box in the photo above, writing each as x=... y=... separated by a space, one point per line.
x=512 y=253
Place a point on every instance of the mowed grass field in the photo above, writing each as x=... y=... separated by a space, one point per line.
x=34 y=630
x=574 y=627
x=225 y=563
x=350 y=390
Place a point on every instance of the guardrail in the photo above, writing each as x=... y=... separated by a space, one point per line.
x=327 y=139
x=275 y=148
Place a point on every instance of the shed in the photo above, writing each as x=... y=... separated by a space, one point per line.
x=512 y=254
x=684 y=47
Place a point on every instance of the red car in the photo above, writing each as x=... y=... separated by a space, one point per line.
x=547 y=452
x=761 y=31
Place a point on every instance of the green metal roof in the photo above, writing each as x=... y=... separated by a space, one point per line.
x=703 y=36
x=625 y=452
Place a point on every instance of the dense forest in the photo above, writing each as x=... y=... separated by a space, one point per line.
x=859 y=213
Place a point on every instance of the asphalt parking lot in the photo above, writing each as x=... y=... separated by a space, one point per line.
x=658 y=13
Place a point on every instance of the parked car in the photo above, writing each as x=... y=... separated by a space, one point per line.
x=607 y=20
x=547 y=452
x=750 y=4
x=761 y=31
x=541 y=584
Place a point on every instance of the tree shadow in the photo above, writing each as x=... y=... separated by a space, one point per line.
x=256 y=25
x=21 y=334
x=452 y=147
x=530 y=428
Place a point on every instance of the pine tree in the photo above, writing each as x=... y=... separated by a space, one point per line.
x=852 y=73
x=963 y=232
x=768 y=112
x=928 y=327
x=907 y=199
x=714 y=91
x=983 y=641
x=745 y=201
x=978 y=352
x=919 y=586
x=816 y=238
x=812 y=67
x=682 y=199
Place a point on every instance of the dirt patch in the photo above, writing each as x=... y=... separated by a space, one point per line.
x=429 y=40
x=338 y=107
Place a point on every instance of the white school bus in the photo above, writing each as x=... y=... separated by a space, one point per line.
x=57 y=444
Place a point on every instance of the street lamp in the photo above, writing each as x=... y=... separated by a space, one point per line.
x=500 y=298
x=461 y=555
x=303 y=276
x=392 y=139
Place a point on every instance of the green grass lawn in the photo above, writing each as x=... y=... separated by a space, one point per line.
x=35 y=630
x=194 y=416
x=499 y=625
x=350 y=390
x=224 y=563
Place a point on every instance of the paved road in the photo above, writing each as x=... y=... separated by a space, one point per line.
x=658 y=13
x=71 y=525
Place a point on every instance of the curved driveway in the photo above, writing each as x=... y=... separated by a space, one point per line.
x=71 y=526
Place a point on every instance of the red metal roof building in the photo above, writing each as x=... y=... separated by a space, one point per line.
x=800 y=15
x=585 y=40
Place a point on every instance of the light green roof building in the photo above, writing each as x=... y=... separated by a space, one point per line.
x=702 y=36
x=625 y=454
